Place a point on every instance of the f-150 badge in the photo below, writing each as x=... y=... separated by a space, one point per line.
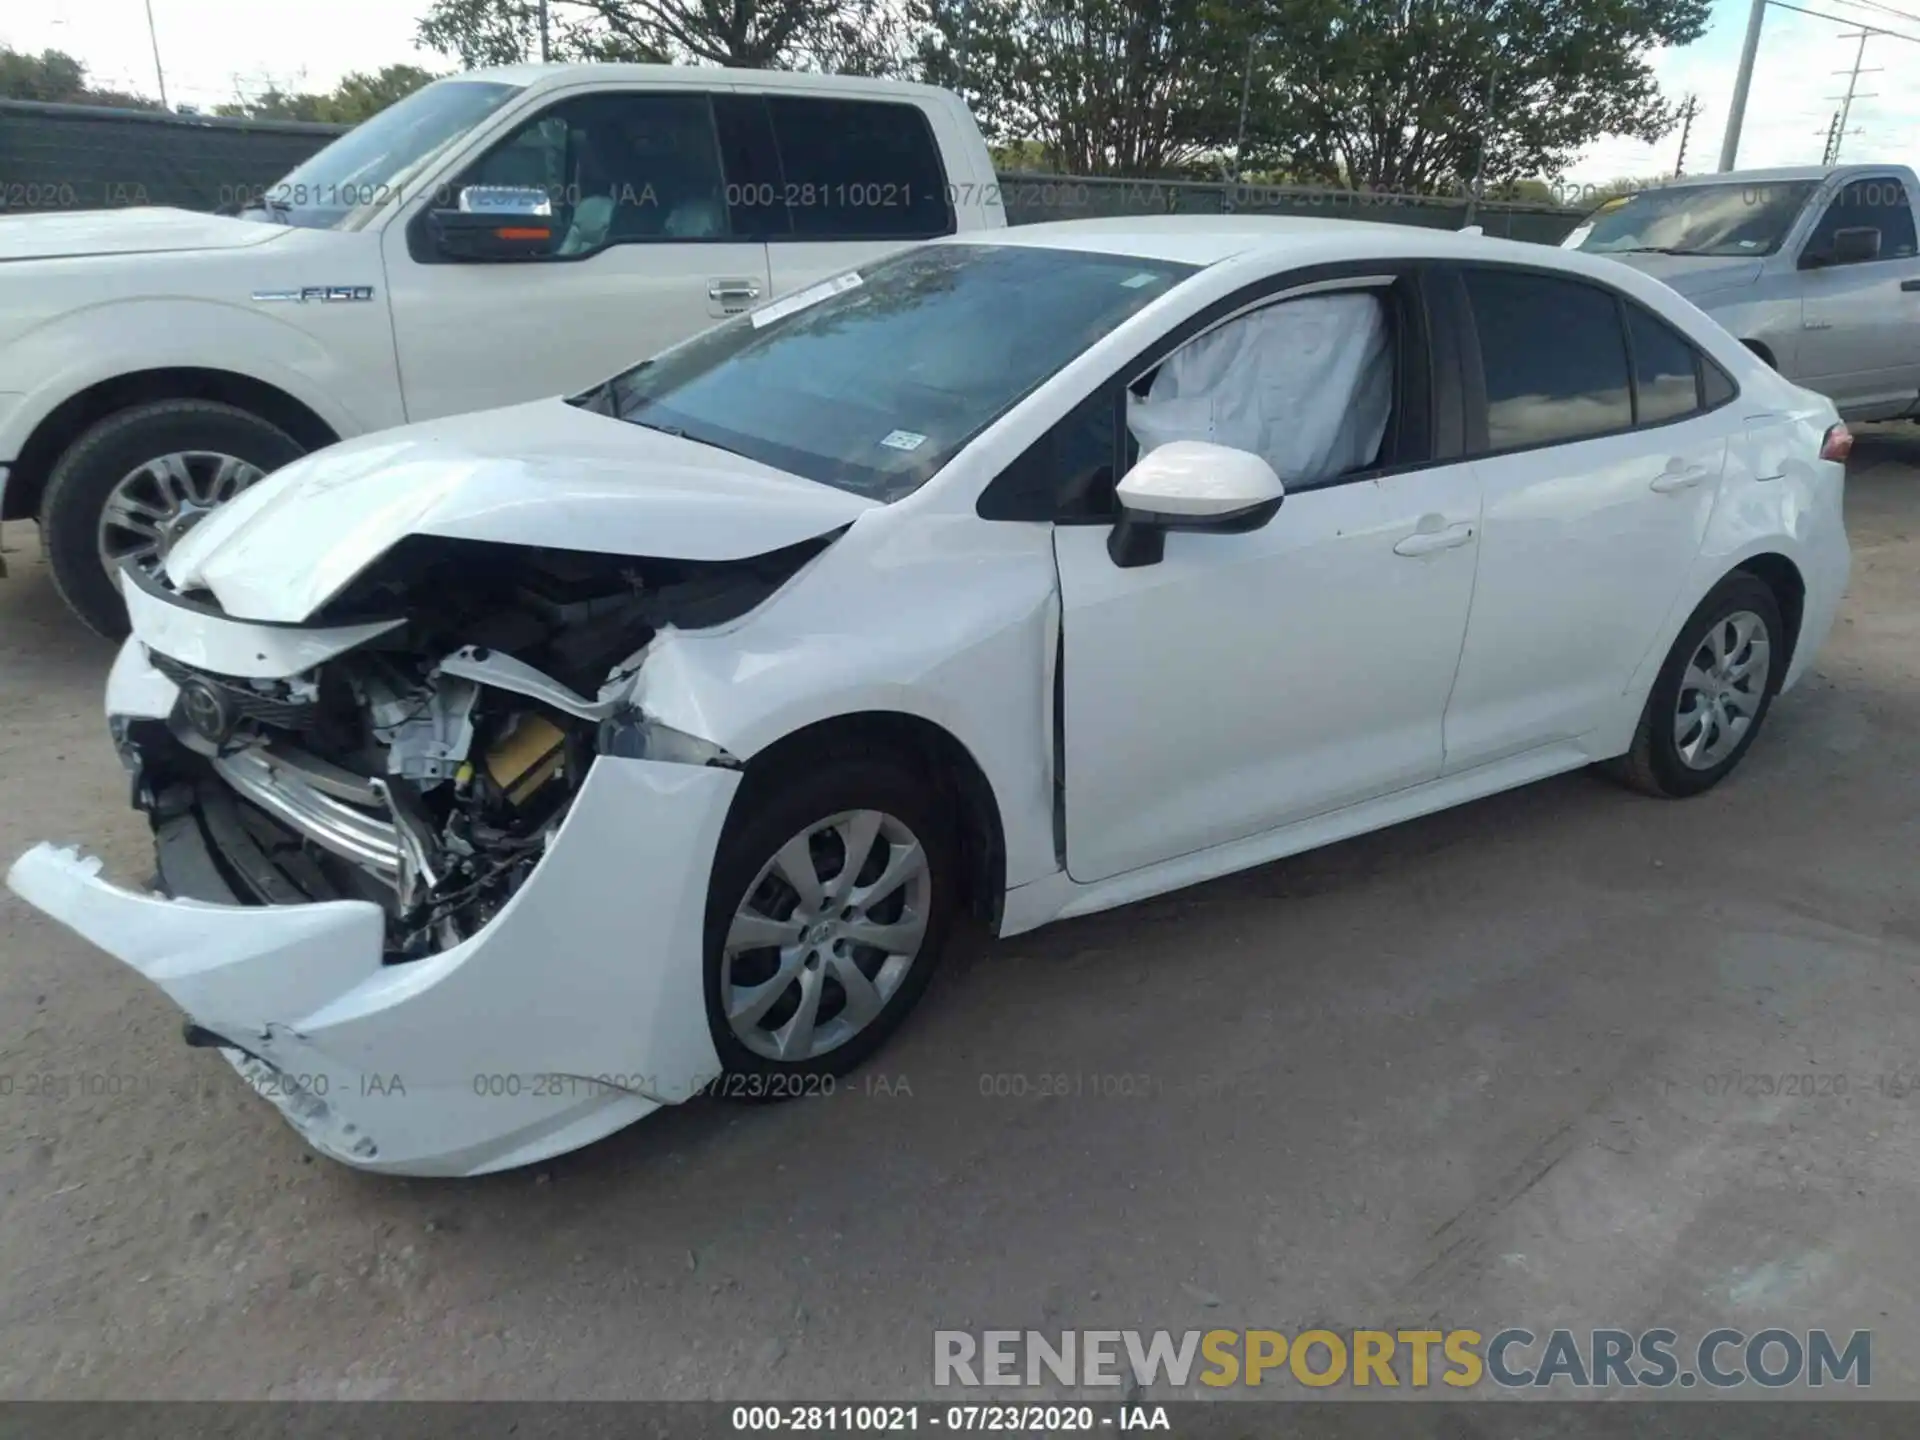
x=326 y=294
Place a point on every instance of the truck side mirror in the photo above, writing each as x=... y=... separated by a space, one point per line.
x=495 y=222
x=1854 y=245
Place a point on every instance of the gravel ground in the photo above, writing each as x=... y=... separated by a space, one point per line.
x=1458 y=1073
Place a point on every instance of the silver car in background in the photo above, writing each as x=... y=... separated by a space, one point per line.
x=1814 y=268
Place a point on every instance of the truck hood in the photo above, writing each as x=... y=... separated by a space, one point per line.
x=1694 y=275
x=138 y=230
x=544 y=474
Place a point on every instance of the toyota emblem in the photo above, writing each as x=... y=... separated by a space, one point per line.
x=205 y=710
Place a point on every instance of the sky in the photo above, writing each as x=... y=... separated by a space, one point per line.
x=213 y=50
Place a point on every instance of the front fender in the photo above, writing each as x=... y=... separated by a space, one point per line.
x=946 y=619
x=339 y=366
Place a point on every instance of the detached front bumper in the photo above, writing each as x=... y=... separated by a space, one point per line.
x=578 y=1009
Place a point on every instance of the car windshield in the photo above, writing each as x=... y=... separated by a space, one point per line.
x=873 y=380
x=371 y=164
x=1727 y=219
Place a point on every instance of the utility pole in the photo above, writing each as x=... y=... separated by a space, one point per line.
x=1833 y=134
x=1486 y=144
x=1742 y=83
x=1246 y=97
x=1686 y=131
x=545 y=52
x=1846 y=101
x=158 y=73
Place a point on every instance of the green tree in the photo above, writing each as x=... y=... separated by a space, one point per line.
x=57 y=78
x=854 y=36
x=355 y=98
x=1126 y=87
x=1407 y=94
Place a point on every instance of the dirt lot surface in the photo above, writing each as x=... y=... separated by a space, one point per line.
x=1519 y=1064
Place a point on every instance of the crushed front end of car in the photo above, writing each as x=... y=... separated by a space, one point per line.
x=431 y=882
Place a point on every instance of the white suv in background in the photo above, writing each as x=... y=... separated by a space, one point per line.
x=497 y=236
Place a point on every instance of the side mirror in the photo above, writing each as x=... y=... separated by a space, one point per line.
x=1190 y=485
x=495 y=222
x=1855 y=245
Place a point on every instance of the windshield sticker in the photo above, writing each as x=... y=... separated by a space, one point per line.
x=1134 y=282
x=903 y=440
x=801 y=299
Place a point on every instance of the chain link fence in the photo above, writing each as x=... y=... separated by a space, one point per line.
x=81 y=157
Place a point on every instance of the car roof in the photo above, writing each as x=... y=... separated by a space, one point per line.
x=1210 y=239
x=553 y=76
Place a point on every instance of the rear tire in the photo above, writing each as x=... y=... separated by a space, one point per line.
x=901 y=890
x=104 y=456
x=1712 y=693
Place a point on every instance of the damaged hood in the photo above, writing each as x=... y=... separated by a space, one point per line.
x=544 y=474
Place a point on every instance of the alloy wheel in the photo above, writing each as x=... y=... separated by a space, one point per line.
x=157 y=503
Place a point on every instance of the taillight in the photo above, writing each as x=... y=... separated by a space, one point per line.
x=1838 y=444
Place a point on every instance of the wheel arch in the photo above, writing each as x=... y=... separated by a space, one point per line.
x=936 y=753
x=72 y=417
x=1764 y=351
x=1780 y=575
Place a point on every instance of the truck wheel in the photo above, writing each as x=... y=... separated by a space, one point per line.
x=136 y=482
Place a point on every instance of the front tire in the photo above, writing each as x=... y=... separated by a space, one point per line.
x=832 y=896
x=1712 y=693
x=136 y=481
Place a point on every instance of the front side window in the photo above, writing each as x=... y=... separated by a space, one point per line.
x=1878 y=202
x=615 y=168
x=372 y=163
x=873 y=380
x=1701 y=220
x=1554 y=358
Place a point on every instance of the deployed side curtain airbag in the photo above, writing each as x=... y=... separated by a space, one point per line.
x=1306 y=384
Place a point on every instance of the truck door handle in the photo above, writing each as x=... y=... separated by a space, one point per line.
x=1426 y=542
x=1913 y=284
x=1679 y=477
x=733 y=292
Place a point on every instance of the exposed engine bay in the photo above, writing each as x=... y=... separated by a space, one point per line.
x=429 y=768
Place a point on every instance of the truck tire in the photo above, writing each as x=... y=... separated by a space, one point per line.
x=170 y=462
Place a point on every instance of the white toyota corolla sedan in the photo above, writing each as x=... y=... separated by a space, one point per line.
x=517 y=774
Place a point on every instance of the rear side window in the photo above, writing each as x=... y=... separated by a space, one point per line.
x=1666 y=378
x=1554 y=357
x=857 y=170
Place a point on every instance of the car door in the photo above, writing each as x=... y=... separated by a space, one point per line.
x=1860 y=321
x=1249 y=680
x=643 y=255
x=832 y=180
x=1600 y=456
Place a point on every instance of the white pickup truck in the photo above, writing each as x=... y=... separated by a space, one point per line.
x=497 y=236
x=1815 y=268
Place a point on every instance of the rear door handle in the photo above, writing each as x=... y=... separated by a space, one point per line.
x=732 y=292
x=1426 y=542
x=1679 y=477
x=1913 y=284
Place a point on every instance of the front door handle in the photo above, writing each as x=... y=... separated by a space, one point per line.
x=1913 y=284
x=1679 y=477
x=1426 y=542
x=733 y=290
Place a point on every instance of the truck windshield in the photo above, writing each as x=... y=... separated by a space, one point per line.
x=873 y=380
x=372 y=163
x=1728 y=219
